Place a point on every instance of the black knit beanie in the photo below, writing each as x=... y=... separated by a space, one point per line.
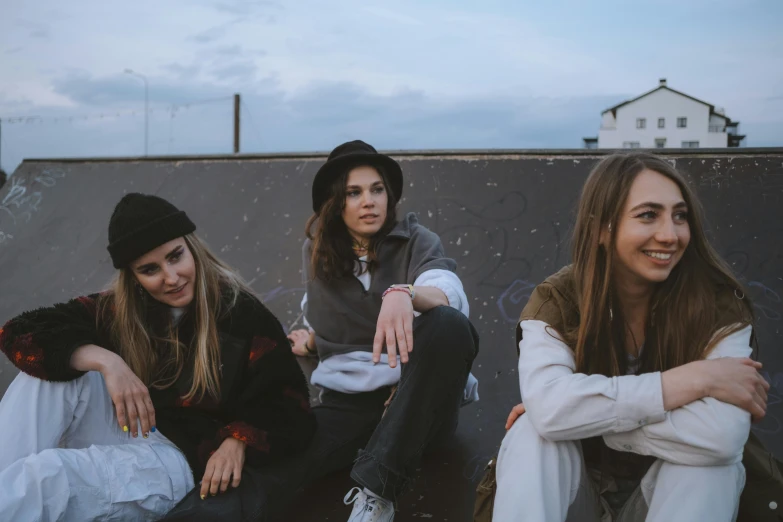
x=141 y=223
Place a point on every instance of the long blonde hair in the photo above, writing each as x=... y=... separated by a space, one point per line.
x=216 y=289
x=684 y=312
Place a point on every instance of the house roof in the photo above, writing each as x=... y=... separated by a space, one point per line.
x=712 y=107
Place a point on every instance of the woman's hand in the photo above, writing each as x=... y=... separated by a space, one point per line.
x=394 y=328
x=224 y=467
x=300 y=341
x=737 y=381
x=130 y=396
x=516 y=412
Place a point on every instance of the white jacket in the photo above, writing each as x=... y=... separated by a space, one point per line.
x=627 y=410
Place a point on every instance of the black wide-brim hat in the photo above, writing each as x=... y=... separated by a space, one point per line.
x=347 y=156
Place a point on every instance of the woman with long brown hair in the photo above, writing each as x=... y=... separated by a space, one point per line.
x=637 y=387
x=386 y=312
x=176 y=373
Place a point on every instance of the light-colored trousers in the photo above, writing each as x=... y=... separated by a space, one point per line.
x=64 y=457
x=539 y=480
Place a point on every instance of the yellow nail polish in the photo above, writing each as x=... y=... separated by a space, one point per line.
x=203 y=497
x=125 y=429
x=146 y=435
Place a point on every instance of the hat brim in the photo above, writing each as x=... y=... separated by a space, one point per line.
x=333 y=168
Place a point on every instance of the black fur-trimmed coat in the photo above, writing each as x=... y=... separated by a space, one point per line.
x=264 y=396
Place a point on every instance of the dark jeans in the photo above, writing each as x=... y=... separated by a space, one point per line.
x=385 y=449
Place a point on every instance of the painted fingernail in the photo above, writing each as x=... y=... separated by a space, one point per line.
x=203 y=497
x=135 y=435
x=153 y=429
x=125 y=429
x=146 y=435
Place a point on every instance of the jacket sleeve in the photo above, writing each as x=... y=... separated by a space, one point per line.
x=40 y=342
x=706 y=432
x=564 y=405
x=272 y=415
x=449 y=283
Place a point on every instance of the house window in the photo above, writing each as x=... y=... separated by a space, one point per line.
x=682 y=123
x=630 y=144
x=660 y=143
x=641 y=123
x=690 y=144
x=661 y=123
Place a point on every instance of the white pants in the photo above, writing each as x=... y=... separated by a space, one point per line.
x=539 y=480
x=64 y=457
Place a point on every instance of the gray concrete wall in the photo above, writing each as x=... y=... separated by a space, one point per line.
x=504 y=216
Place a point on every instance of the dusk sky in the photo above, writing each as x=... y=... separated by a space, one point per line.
x=400 y=75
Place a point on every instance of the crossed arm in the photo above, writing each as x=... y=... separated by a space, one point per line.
x=697 y=414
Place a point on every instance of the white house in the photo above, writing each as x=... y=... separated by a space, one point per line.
x=665 y=118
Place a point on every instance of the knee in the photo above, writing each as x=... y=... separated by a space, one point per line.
x=445 y=316
x=47 y=459
x=449 y=329
x=44 y=468
x=718 y=488
x=523 y=446
x=521 y=438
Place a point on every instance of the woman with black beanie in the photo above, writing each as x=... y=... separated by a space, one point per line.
x=129 y=398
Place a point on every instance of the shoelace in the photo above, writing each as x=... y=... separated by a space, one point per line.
x=371 y=503
x=358 y=495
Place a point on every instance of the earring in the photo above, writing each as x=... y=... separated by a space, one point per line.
x=610 y=228
x=611 y=313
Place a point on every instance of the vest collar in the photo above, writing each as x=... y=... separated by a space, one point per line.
x=404 y=227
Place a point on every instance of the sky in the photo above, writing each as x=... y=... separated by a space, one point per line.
x=401 y=75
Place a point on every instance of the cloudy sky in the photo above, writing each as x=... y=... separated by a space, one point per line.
x=401 y=75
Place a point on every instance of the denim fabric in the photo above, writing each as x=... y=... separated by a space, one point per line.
x=425 y=408
x=384 y=445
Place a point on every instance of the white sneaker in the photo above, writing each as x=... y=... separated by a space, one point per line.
x=367 y=507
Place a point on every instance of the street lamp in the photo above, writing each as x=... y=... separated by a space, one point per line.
x=146 y=107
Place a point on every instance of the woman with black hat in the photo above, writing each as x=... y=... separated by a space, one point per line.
x=375 y=285
x=176 y=373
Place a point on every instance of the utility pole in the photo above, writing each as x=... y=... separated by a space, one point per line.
x=236 y=123
x=1 y=145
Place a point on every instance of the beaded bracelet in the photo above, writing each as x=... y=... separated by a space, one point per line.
x=408 y=289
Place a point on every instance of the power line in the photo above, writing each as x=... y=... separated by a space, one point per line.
x=207 y=100
x=114 y=114
x=170 y=111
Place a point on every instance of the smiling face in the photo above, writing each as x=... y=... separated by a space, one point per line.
x=652 y=230
x=167 y=273
x=366 y=202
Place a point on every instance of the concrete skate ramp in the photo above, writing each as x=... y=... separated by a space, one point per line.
x=505 y=216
